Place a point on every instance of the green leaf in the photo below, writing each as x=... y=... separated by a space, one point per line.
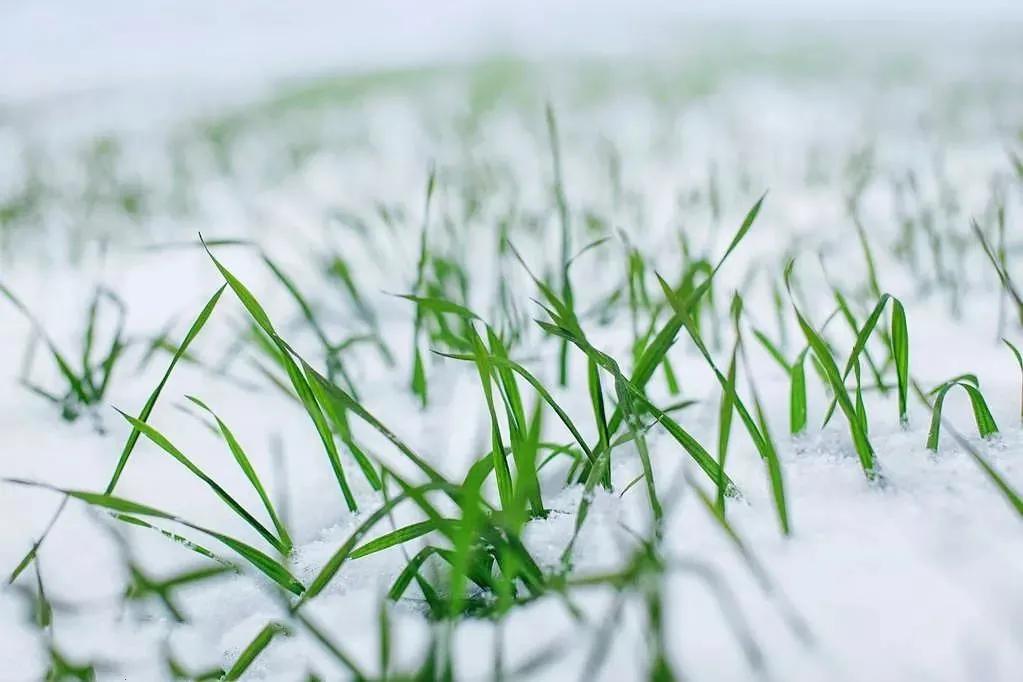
x=725 y=425
x=400 y=536
x=440 y=305
x=344 y=552
x=34 y=550
x=250 y=473
x=298 y=382
x=900 y=352
x=1019 y=363
x=861 y=442
x=1003 y=486
x=260 y=561
x=986 y=425
x=256 y=647
x=147 y=409
x=164 y=444
x=797 y=394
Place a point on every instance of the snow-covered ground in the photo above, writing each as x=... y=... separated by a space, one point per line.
x=918 y=578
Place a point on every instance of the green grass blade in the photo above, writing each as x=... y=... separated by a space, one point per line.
x=34 y=550
x=164 y=444
x=986 y=425
x=418 y=382
x=797 y=394
x=344 y=552
x=725 y=413
x=150 y=403
x=541 y=391
x=1010 y=494
x=900 y=353
x=298 y=381
x=820 y=349
x=338 y=416
x=250 y=473
x=772 y=350
x=1019 y=363
x=256 y=647
x=656 y=351
x=566 y=233
x=401 y=536
x=1003 y=275
x=600 y=418
x=75 y=383
x=272 y=569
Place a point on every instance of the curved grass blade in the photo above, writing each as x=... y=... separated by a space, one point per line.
x=820 y=349
x=31 y=554
x=250 y=473
x=344 y=552
x=298 y=381
x=256 y=647
x=541 y=391
x=986 y=425
x=74 y=382
x=1019 y=362
x=1010 y=494
x=657 y=350
x=400 y=536
x=418 y=381
x=120 y=506
x=147 y=409
x=164 y=444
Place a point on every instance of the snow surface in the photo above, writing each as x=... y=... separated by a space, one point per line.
x=918 y=580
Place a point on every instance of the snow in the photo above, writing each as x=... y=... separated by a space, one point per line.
x=918 y=579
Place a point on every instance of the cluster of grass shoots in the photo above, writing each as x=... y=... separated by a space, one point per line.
x=471 y=560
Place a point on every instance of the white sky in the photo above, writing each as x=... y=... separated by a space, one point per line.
x=53 y=46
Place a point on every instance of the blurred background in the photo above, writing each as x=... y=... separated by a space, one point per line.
x=53 y=47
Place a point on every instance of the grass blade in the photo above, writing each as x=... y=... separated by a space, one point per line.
x=250 y=473
x=147 y=409
x=256 y=647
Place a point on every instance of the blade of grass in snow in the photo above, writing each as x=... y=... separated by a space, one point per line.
x=986 y=425
x=898 y=342
x=501 y=469
x=566 y=233
x=334 y=363
x=250 y=473
x=820 y=349
x=759 y=434
x=33 y=551
x=725 y=425
x=397 y=537
x=1007 y=491
x=147 y=409
x=541 y=391
x=657 y=349
x=1003 y=275
x=74 y=382
x=249 y=654
x=419 y=386
x=120 y=506
x=1019 y=362
x=797 y=394
x=161 y=441
x=298 y=381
